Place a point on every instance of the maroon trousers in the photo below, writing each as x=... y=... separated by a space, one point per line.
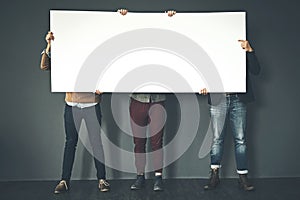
x=143 y=115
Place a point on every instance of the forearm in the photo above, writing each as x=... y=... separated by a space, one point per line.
x=45 y=61
x=252 y=63
x=48 y=48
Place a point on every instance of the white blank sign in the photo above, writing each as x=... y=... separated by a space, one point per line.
x=147 y=52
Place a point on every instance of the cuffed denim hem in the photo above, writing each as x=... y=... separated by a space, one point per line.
x=242 y=171
x=215 y=166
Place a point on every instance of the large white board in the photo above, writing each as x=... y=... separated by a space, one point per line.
x=147 y=52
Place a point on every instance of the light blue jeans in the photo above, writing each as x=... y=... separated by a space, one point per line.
x=229 y=110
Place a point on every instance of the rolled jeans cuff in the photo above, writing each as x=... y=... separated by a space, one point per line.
x=242 y=171
x=215 y=166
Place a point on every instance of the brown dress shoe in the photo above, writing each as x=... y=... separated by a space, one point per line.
x=103 y=185
x=61 y=187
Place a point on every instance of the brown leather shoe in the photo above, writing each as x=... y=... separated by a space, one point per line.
x=61 y=187
x=244 y=184
x=214 y=179
x=103 y=185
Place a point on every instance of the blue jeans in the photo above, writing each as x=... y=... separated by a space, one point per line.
x=233 y=110
x=72 y=119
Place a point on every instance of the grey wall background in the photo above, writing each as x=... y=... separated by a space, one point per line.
x=32 y=134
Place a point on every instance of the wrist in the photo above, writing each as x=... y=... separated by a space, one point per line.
x=249 y=50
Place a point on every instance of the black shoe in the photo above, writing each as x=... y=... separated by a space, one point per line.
x=244 y=184
x=213 y=180
x=158 y=184
x=103 y=185
x=139 y=182
x=61 y=187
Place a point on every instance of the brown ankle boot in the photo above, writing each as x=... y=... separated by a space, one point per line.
x=213 y=180
x=244 y=184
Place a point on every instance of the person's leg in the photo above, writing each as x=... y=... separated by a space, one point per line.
x=92 y=116
x=218 y=115
x=238 y=112
x=71 y=128
x=238 y=125
x=139 y=120
x=71 y=131
x=157 y=119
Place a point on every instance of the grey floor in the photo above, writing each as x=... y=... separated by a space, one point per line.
x=175 y=189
